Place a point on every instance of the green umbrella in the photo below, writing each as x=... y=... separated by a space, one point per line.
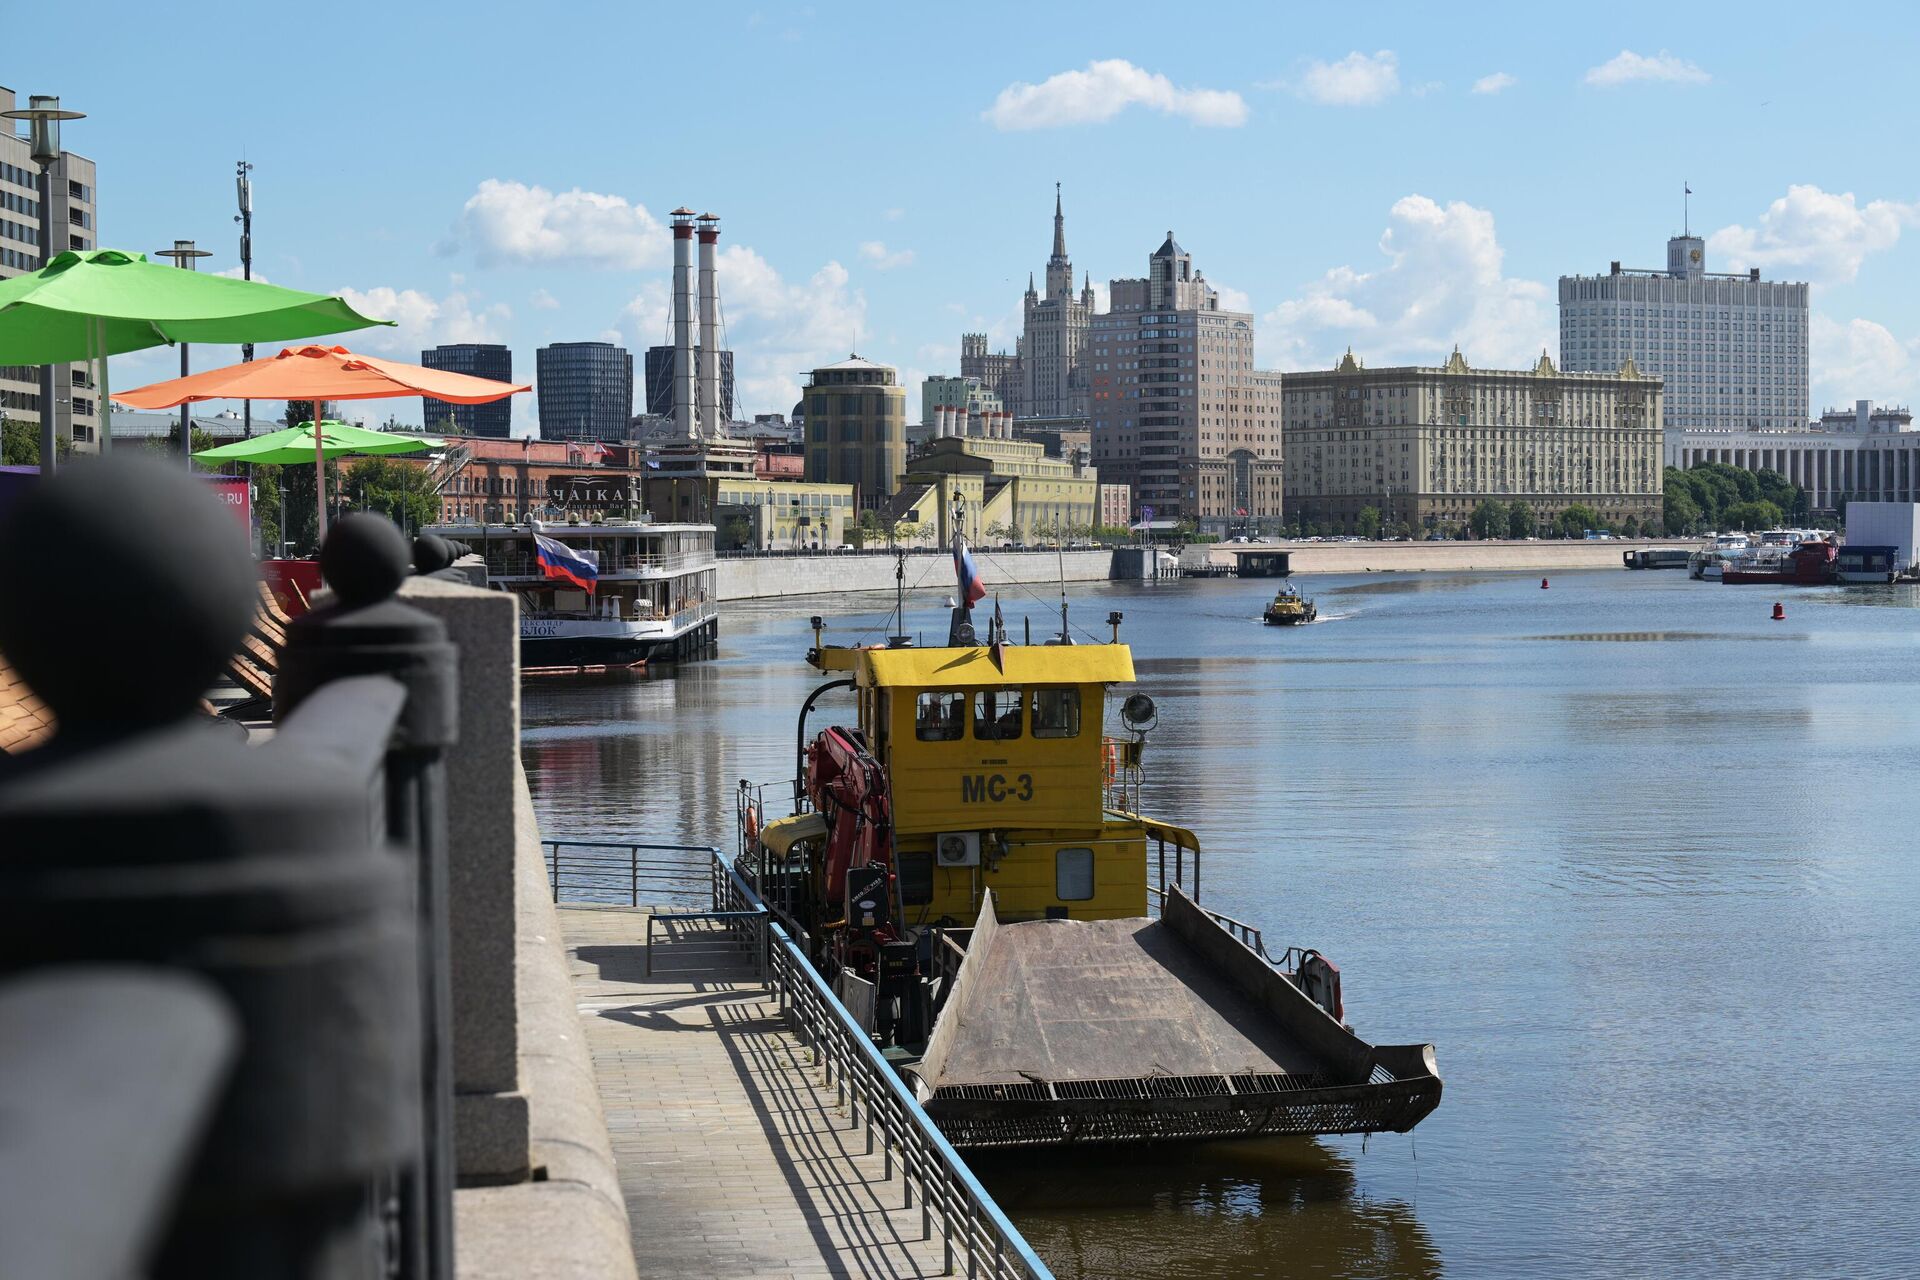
x=299 y=445
x=81 y=306
x=296 y=444
x=88 y=306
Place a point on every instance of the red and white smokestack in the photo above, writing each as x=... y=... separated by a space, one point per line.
x=710 y=423
x=939 y=422
x=683 y=322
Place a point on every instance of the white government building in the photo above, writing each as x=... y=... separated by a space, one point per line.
x=1858 y=453
x=1731 y=350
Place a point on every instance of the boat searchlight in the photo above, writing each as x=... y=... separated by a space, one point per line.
x=1139 y=712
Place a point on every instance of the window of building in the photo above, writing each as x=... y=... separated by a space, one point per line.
x=1073 y=875
x=940 y=716
x=996 y=715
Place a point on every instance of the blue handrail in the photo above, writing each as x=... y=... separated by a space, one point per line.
x=954 y=1167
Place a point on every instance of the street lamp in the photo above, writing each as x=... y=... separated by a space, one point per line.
x=243 y=185
x=45 y=114
x=184 y=254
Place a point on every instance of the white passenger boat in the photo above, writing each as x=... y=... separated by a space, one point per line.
x=650 y=595
x=1708 y=562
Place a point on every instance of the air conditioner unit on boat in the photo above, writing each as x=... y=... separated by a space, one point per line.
x=957 y=849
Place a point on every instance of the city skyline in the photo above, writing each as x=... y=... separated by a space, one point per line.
x=1397 y=185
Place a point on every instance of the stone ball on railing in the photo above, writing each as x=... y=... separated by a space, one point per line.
x=124 y=588
x=364 y=560
x=431 y=553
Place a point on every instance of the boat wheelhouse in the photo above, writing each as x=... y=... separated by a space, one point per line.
x=652 y=595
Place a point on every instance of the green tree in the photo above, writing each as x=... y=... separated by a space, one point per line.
x=1519 y=519
x=1578 y=518
x=1367 y=523
x=1681 y=512
x=19 y=443
x=401 y=492
x=734 y=532
x=1753 y=515
x=266 y=508
x=1489 y=519
x=1630 y=528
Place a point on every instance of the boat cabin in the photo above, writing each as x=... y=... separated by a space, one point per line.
x=998 y=775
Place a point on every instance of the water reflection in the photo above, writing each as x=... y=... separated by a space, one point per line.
x=1277 y=1207
x=1659 y=637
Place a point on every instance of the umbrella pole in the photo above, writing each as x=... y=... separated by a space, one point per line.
x=319 y=478
x=105 y=407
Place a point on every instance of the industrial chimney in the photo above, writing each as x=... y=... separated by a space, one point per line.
x=710 y=424
x=683 y=322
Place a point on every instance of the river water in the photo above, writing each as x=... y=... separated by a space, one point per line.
x=1635 y=857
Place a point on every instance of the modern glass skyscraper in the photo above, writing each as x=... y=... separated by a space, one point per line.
x=1732 y=349
x=585 y=390
x=476 y=360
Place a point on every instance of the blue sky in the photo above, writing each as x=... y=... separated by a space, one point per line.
x=1397 y=177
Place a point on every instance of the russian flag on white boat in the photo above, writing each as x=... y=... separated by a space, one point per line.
x=558 y=560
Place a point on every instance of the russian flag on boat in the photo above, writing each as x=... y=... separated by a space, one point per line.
x=558 y=560
x=972 y=590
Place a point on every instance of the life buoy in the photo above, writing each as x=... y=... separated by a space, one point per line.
x=1111 y=751
x=753 y=823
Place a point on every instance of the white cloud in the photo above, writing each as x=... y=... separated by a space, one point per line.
x=1816 y=233
x=1102 y=91
x=1232 y=299
x=1627 y=67
x=237 y=273
x=1357 y=80
x=1442 y=284
x=423 y=321
x=894 y=215
x=883 y=258
x=1494 y=83
x=513 y=224
x=543 y=301
x=1861 y=360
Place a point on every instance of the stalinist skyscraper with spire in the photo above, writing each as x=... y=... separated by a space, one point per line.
x=1053 y=384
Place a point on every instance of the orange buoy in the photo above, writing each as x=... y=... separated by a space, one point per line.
x=1543 y=585
x=1779 y=612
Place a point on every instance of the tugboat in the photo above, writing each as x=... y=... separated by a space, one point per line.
x=1290 y=608
x=967 y=866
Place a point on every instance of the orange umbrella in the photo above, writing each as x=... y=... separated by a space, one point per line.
x=320 y=373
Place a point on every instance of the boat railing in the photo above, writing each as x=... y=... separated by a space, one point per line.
x=524 y=564
x=1249 y=935
x=613 y=872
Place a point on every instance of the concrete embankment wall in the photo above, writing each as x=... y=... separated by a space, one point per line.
x=762 y=576
x=1450 y=557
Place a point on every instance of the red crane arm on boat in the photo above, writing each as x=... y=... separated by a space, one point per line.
x=849 y=787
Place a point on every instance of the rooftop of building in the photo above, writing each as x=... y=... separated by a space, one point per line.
x=1351 y=365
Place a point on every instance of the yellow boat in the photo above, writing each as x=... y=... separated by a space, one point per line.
x=968 y=867
x=1290 y=608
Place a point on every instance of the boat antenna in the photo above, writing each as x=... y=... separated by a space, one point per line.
x=1060 y=560
x=900 y=639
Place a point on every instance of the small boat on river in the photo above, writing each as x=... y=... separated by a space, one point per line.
x=967 y=868
x=1289 y=608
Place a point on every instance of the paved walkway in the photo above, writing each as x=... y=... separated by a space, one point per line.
x=733 y=1159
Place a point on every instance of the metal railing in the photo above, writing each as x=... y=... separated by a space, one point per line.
x=971 y=1225
x=615 y=871
x=1248 y=935
x=968 y=1220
